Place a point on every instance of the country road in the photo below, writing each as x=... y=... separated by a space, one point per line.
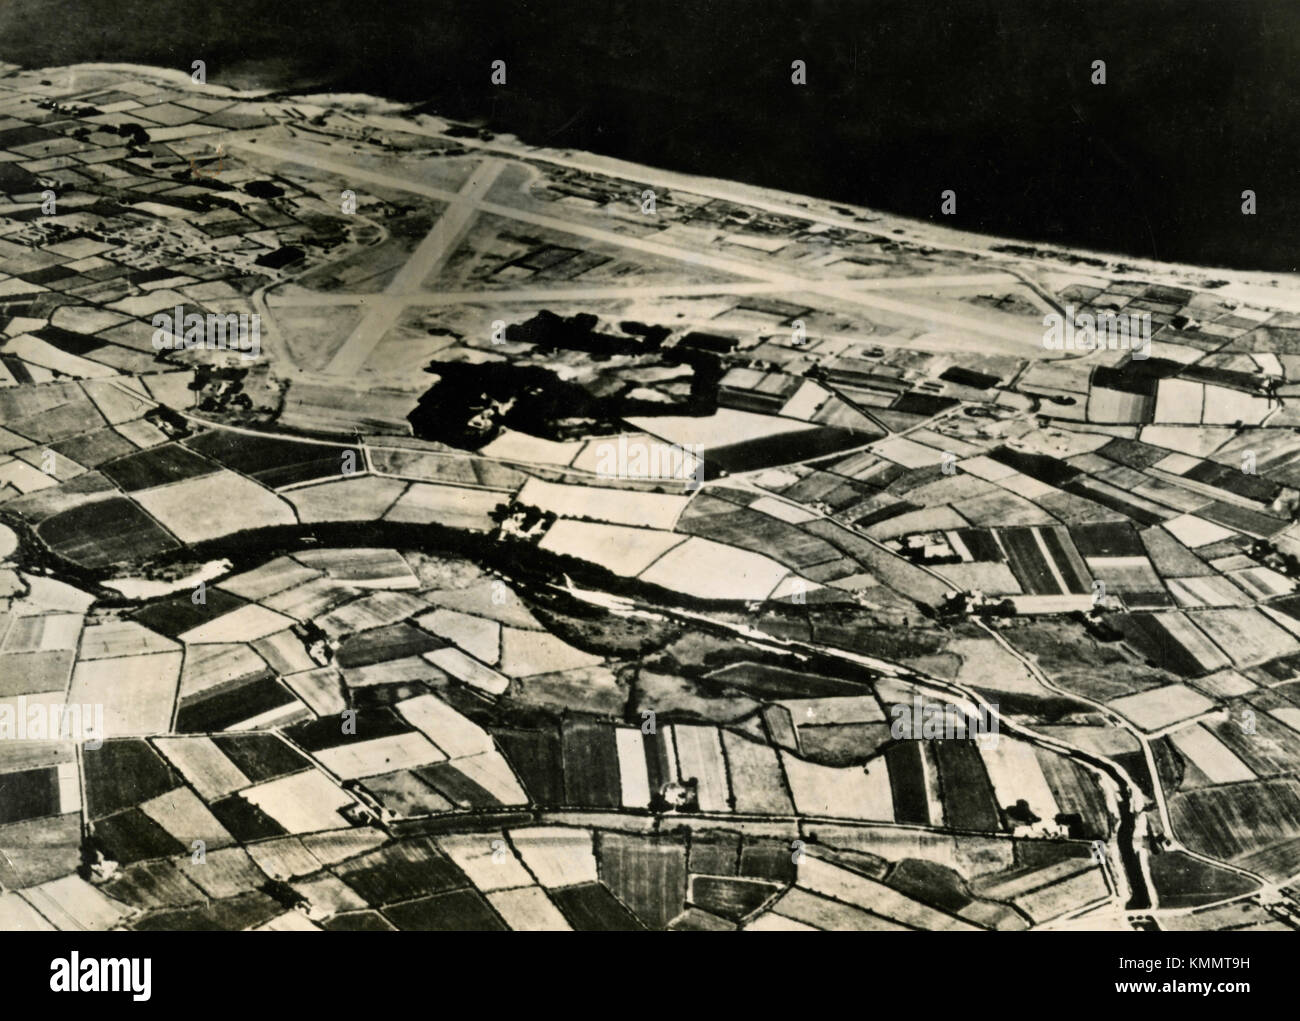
x=1131 y=881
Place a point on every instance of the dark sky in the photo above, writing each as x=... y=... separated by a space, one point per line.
x=905 y=98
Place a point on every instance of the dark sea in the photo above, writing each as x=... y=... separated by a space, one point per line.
x=992 y=99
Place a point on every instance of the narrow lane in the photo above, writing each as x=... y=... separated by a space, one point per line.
x=1130 y=881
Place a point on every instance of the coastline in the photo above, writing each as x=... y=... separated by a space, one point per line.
x=1275 y=289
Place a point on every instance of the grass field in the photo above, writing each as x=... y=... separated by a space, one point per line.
x=1231 y=823
x=273 y=461
x=968 y=801
x=214 y=505
x=157 y=466
x=103 y=533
